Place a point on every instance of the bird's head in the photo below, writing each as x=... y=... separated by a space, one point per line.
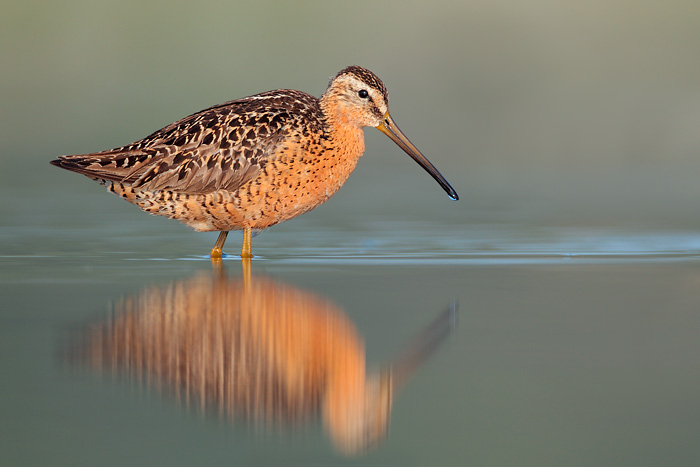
x=357 y=98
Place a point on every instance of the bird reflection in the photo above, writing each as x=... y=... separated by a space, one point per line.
x=257 y=349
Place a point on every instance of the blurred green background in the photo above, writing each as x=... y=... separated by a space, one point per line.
x=569 y=113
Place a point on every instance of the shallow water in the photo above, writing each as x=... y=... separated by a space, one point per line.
x=572 y=347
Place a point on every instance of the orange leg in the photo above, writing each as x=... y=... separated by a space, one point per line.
x=218 y=249
x=246 y=250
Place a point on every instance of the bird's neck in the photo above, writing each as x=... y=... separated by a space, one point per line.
x=346 y=135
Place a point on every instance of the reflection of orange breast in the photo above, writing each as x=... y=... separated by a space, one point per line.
x=266 y=350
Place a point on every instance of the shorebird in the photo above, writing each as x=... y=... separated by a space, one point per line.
x=253 y=162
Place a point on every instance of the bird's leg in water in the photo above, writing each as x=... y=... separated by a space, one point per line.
x=218 y=249
x=246 y=250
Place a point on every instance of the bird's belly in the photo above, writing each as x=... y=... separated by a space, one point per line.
x=285 y=190
x=259 y=204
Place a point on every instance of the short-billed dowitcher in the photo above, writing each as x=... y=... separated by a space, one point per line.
x=254 y=162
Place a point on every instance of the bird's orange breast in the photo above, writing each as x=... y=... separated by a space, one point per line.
x=303 y=173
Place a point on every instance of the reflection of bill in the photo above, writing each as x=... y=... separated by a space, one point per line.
x=259 y=349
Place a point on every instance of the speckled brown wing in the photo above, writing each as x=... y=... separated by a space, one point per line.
x=219 y=148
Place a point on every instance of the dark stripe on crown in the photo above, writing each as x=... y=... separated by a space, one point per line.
x=366 y=76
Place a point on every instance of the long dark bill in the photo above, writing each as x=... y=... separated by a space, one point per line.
x=389 y=128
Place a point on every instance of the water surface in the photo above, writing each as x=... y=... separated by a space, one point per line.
x=573 y=347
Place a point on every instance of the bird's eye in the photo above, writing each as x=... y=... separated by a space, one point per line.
x=363 y=93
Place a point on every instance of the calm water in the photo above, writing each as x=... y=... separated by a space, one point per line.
x=570 y=347
x=573 y=253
